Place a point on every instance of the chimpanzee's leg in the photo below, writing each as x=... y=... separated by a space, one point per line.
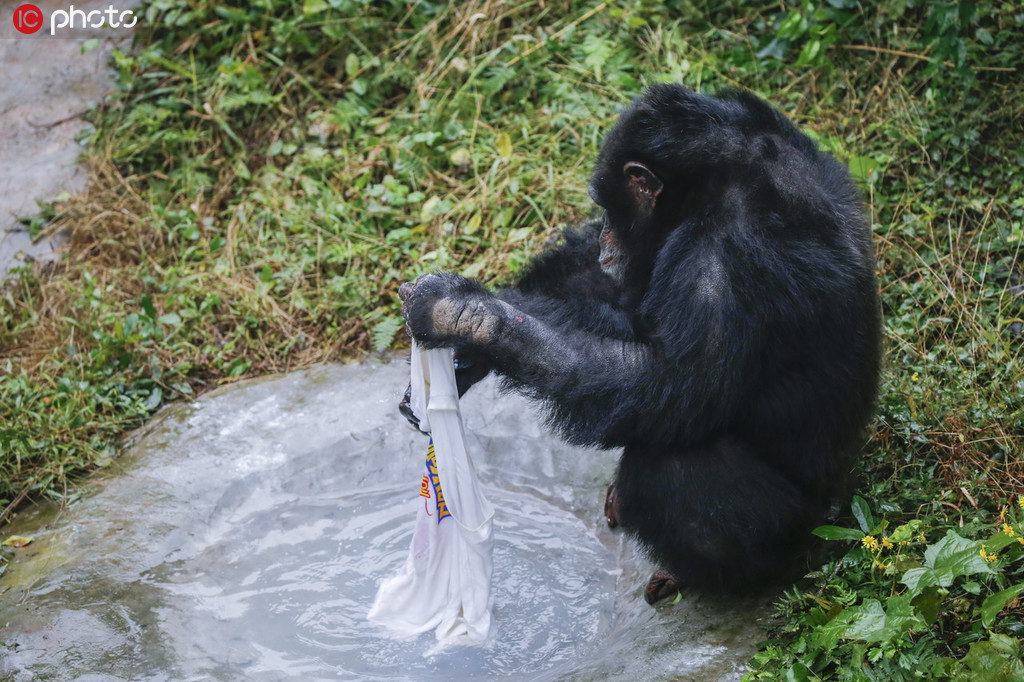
x=716 y=517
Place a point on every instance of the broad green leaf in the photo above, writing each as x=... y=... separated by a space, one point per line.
x=954 y=556
x=169 y=318
x=873 y=623
x=994 y=603
x=998 y=542
x=838 y=533
x=929 y=603
x=948 y=559
x=862 y=512
x=799 y=672
x=861 y=167
x=907 y=532
x=996 y=660
x=918 y=578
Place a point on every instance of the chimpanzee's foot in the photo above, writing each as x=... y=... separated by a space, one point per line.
x=611 y=506
x=661 y=586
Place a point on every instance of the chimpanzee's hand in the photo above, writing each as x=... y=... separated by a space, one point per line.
x=450 y=311
x=405 y=407
x=469 y=369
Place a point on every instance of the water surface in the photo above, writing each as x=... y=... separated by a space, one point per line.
x=244 y=536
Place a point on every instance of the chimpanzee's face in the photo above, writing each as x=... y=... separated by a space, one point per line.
x=613 y=258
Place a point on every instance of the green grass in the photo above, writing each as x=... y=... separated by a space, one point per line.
x=265 y=177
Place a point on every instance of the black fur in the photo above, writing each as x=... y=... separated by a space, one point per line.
x=735 y=362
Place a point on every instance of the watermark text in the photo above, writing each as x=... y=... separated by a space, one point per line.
x=29 y=19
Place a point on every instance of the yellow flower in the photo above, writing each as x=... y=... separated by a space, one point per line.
x=887 y=543
x=915 y=377
x=1008 y=529
x=869 y=542
x=1002 y=513
x=1020 y=501
x=991 y=558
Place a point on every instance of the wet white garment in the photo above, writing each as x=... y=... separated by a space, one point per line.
x=445 y=583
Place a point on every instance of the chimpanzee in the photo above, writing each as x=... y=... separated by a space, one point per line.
x=720 y=322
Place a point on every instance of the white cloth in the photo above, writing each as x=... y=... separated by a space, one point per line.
x=445 y=583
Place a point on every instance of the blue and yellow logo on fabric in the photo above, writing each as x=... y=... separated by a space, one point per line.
x=433 y=480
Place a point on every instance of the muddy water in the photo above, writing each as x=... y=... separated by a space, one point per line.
x=244 y=536
x=46 y=83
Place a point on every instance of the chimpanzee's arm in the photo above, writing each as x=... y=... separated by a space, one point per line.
x=599 y=389
x=563 y=287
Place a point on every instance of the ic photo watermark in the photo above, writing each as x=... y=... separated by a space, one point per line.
x=29 y=19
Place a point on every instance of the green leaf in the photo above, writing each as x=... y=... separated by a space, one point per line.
x=459 y=156
x=837 y=533
x=519 y=234
x=474 y=270
x=907 y=532
x=314 y=6
x=809 y=53
x=793 y=26
x=873 y=623
x=169 y=318
x=998 y=542
x=155 y=398
x=504 y=145
x=994 y=603
x=862 y=167
x=473 y=224
x=918 y=578
x=799 y=672
x=862 y=512
x=147 y=307
x=385 y=331
x=238 y=367
x=351 y=65
x=929 y=603
x=956 y=555
x=996 y=660
x=950 y=558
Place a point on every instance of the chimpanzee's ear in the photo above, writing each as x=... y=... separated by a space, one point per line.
x=644 y=186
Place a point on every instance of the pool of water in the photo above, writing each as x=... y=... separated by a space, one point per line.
x=244 y=536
